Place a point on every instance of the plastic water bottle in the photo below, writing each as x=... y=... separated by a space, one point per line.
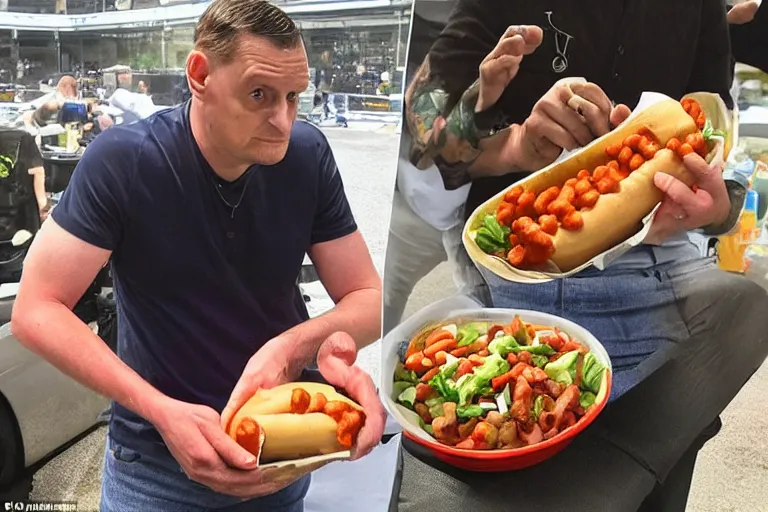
x=731 y=247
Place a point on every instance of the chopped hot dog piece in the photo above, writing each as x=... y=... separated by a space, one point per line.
x=548 y=224
x=625 y=156
x=636 y=161
x=513 y=195
x=607 y=186
x=685 y=149
x=600 y=173
x=516 y=256
x=573 y=221
x=613 y=150
x=582 y=186
x=589 y=199
x=633 y=142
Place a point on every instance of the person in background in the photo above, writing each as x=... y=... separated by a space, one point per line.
x=492 y=103
x=66 y=90
x=142 y=87
x=748 y=30
x=205 y=255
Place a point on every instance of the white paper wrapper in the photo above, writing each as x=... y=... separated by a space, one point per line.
x=601 y=261
x=309 y=461
x=465 y=308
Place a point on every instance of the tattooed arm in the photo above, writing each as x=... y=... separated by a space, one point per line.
x=441 y=101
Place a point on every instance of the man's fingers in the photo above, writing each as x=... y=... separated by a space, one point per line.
x=533 y=38
x=592 y=103
x=363 y=390
x=706 y=175
x=239 y=396
x=514 y=46
x=339 y=347
x=597 y=121
x=505 y=65
x=530 y=34
x=550 y=132
x=565 y=117
x=594 y=94
x=335 y=360
x=676 y=190
x=227 y=448
x=619 y=114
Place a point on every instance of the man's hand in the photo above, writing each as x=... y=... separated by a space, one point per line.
x=570 y=115
x=273 y=364
x=335 y=361
x=744 y=12
x=208 y=455
x=277 y=362
x=503 y=63
x=682 y=209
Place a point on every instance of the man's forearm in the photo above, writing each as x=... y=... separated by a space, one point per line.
x=451 y=139
x=38 y=184
x=357 y=314
x=54 y=332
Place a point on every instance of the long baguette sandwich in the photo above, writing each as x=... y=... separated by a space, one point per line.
x=567 y=214
x=296 y=420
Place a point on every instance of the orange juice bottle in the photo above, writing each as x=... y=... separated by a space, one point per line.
x=731 y=247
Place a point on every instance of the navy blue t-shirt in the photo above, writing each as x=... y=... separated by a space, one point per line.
x=200 y=287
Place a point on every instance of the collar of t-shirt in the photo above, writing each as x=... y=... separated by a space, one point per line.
x=230 y=192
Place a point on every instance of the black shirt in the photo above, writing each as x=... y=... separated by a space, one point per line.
x=624 y=46
x=18 y=204
x=199 y=287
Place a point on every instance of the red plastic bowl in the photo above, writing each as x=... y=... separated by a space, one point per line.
x=518 y=458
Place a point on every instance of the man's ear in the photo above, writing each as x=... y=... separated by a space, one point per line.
x=198 y=70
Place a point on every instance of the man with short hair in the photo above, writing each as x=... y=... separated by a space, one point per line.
x=206 y=211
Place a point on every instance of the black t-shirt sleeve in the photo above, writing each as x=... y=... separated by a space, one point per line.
x=472 y=32
x=94 y=207
x=713 y=67
x=333 y=217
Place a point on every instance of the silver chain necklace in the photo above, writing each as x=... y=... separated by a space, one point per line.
x=233 y=207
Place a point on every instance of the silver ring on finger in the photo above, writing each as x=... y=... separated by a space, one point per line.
x=575 y=103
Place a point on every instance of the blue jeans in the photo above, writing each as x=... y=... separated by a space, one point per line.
x=138 y=482
x=634 y=313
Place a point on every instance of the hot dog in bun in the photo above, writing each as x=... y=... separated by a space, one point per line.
x=296 y=420
x=596 y=198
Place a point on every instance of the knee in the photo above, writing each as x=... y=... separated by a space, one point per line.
x=740 y=293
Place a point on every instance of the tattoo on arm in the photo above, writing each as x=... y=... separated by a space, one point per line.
x=444 y=129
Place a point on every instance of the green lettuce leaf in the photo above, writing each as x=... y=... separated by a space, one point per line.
x=469 y=411
x=564 y=369
x=467 y=334
x=503 y=345
x=477 y=383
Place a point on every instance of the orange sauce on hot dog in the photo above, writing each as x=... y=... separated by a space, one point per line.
x=534 y=219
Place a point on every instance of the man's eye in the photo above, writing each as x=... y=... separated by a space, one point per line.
x=258 y=94
x=292 y=97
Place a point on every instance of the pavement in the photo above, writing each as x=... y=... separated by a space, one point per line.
x=731 y=472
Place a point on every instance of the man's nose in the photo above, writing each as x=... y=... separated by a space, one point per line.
x=283 y=117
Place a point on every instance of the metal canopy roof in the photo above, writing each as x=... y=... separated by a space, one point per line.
x=183 y=15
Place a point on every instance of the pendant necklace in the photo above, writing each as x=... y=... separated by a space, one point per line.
x=233 y=207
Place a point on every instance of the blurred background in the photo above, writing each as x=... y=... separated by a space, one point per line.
x=356 y=49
